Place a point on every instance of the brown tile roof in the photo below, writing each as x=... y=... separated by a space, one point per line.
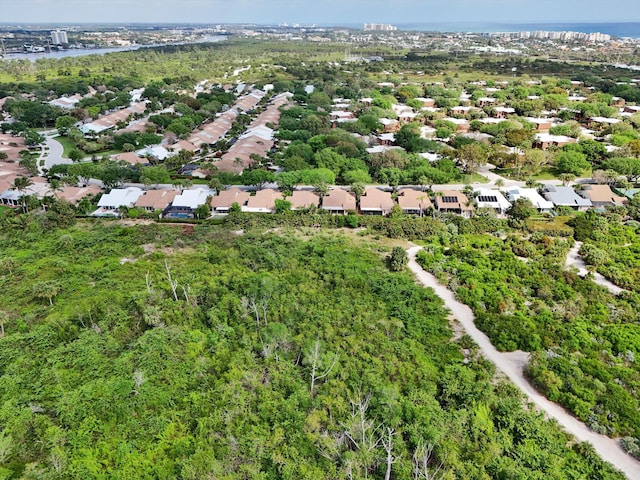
x=156 y=199
x=226 y=198
x=264 y=199
x=410 y=199
x=338 y=199
x=303 y=199
x=602 y=194
x=131 y=158
x=452 y=199
x=375 y=199
x=75 y=194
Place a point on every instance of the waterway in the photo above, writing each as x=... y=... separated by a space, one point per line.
x=78 y=52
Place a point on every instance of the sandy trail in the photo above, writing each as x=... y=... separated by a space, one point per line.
x=574 y=259
x=512 y=365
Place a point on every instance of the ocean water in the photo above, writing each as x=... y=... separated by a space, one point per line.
x=617 y=29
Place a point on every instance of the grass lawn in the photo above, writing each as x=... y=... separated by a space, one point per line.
x=468 y=179
x=547 y=173
x=70 y=145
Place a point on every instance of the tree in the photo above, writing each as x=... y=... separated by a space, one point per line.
x=76 y=155
x=572 y=162
x=46 y=290
x=32 y=138
x=472 y=156
x=358 y=190
x=282 y=205
x=64 y=123
x=154 y=175
x=21 y=184
x=521 y=209
x=566 y=178
x=397 y=259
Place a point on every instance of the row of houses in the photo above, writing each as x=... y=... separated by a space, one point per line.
x=374 y=201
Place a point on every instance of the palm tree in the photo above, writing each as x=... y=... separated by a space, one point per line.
x=21 y=184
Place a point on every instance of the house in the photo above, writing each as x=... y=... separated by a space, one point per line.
x=389 y=125
x=264 y=201
x=110 y=202
x=222 y=202
x=302 y=199
x=185 y=205
x=532 y=195
x=387 y=139
x=453 y=201
x=545 y=140
x=503 y=112
x=414 y=202
x=566 y=197
x=493 y=199
x=426 y=102
x=132 y=158
x=157 y=152
x=601 y=196
x=486 y=101
x=339 y=201
x=618 y=102
x=462 y=125
x=376 y=202
x=154 y=200
x=541 y=124
x=73 y=195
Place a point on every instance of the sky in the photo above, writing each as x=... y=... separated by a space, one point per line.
x=321 y=12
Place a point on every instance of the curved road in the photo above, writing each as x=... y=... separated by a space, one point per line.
x=53 y=156
x=513 y=364
x=574 y=259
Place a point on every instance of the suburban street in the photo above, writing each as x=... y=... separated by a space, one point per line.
x=512 y=365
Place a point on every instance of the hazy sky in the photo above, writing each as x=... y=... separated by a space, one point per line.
x=327 y=12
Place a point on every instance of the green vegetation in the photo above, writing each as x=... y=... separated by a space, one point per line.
x=156 y=352
x=582 y=338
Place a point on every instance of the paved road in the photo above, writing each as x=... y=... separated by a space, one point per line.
x=53 y=156
x=512 y=365
x=574 y=259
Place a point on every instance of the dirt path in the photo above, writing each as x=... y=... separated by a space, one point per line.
x=512 y=365
x=574 y=259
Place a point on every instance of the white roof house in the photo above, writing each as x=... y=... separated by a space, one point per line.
x=532 y=195
x=486 y=198
x=116 y=198
x=191 y=198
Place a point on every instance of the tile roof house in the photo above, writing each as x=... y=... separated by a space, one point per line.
x=453 y=201
x=493 y=199
x=222 y=202
x=302 y=199
x=339 y=201
x=601 y=196
x=413 y=201
x=74 y=194
x=566 y=197
x=132 y=158
x=154 y=200
x=532 y=195
x=376 y=202
x=264 y=201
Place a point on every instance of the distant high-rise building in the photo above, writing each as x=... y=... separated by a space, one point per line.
x=59 y=37
x=384 y=27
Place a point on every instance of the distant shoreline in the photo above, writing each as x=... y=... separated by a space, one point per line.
x=617 y=29
x=79 y=52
